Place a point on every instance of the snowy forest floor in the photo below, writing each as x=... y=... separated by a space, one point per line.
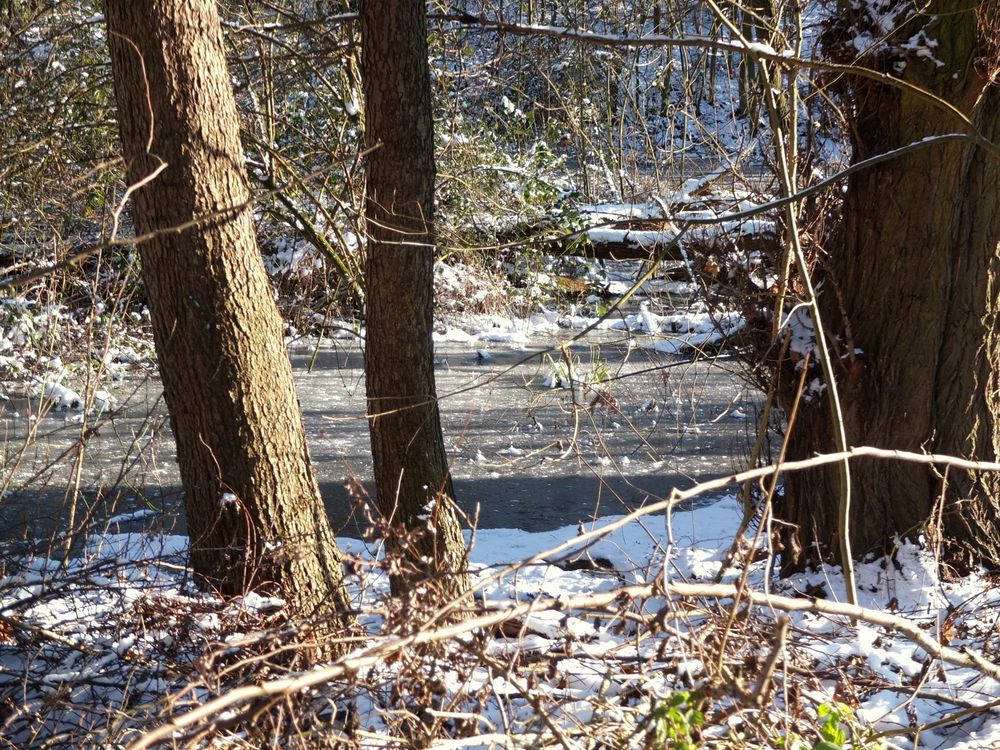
x=579 y=640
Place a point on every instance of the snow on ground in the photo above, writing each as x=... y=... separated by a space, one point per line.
x=112 y=631
x=672 y=333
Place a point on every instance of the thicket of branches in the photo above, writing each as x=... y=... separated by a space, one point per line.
x=541 y=109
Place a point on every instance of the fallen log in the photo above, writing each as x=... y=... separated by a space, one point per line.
x=645 y=239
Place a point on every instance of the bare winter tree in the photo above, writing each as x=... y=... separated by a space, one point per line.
x=414 y=486
x=911 y=291
x=254 y=512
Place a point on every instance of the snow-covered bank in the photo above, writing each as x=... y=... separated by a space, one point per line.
x=671 y=333
x=95 y=647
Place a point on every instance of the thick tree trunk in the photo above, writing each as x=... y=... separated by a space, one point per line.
x=913 y=284
x=414 y=487
x=254 y=512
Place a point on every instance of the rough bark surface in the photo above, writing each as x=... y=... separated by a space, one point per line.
x=415 y=494
x=912 y=282
x=254 y=512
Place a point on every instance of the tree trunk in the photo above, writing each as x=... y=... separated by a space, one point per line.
x=413 y=484
x=254 y=513
x=912 y=282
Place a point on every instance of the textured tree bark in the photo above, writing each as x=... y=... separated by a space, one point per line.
x=414 y=487
x=254 y=512
x=912 y=282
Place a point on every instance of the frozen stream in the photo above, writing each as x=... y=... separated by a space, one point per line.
x=523 y=455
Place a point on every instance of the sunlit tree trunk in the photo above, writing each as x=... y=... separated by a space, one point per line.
x=911 y=288
x=254 y=513
x=413 y=483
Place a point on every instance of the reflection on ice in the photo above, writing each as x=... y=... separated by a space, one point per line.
x=532 y=446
